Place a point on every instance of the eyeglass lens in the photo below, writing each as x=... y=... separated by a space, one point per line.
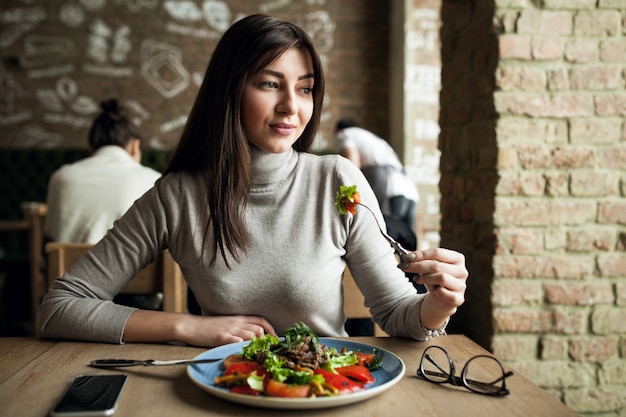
x=482 y=374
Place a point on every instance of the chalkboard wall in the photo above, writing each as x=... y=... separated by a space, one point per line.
x=59 y=59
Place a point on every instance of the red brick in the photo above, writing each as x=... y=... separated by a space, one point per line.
x=553 y=347
x=545 y=22
x=558 y=79
x=544 y=212
x=613 y=50
x=513 y=292
x=515 y=130
x=596 y=78
x=573 y=293
x=613 y=372
x=608 y=320
x=557 y=373
x=521 y=183
x=537 y=105
x=594 y=183
x=613 y=104
x=597 y=23
x=524 y=78
x=522 y=320
x=620 y=296
x=557 y=184
x=612 y=212
x=581 y=50
x=594 y=401
x=514 y=347
x=596 y=131
x=590 y=239
x=547 y=48
x=612 y=264
x=593 y=348
x=613 y=157
x=548 y=266
x=570 y=321
x=515 y=47
x=520 y=240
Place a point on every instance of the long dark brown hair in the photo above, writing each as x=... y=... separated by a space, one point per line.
x=213 y=141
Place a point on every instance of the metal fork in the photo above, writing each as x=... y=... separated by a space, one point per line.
x=397 y=246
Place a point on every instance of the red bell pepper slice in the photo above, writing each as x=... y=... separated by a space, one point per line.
x=343 y=384
x=356 y=372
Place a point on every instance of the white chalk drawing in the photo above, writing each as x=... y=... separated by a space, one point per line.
x=321 y=28
x=19 y=21
x=32 y=136
x=23 y=15
x=93 y=5
x=121 y=44
x=185 y=30
x=72 y=15
x=141 y=113
x=106 y=44
x=54 y=71
x=174 y=124
x=422 y=84
x=49 y=100
x=45 y=51
x=274 y=5
x=138 y=5
x=97 y=41
x=108 y=47
x=161 y=65
x=10 y=93
x=217 y=14
x=66 y=89
x=183 y=10
x=66 y=94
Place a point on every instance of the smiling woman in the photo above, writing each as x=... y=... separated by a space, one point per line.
x=249 y=216
x=278 y=102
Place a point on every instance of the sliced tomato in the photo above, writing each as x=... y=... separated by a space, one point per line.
x=364 y=358
x=244 y=367
x=244 y=389
x=356 y=197
x=344 y=384
x=357 y=372
x=280 y=389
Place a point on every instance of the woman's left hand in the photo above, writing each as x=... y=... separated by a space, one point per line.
x=443 y=272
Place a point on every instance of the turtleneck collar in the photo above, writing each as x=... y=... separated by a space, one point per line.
x=270 y=168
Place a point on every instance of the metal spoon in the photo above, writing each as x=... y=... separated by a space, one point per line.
x=118 y=363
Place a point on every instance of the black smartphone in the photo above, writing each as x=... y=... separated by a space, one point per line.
x=90 y=396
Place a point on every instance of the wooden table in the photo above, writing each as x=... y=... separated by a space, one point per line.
x=34 y=373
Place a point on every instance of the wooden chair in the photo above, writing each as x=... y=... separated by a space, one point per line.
x=353 y=302
x=163 y=275
x=34 y=218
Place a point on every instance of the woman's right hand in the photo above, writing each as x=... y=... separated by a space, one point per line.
x=159 y=326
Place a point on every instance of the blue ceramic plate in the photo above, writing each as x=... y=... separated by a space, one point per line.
x=202 y=375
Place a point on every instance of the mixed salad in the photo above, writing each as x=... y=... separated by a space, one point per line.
x=297 y=366
x=347 y=199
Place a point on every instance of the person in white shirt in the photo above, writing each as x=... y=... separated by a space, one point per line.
x=396 y=193
x=85 y=198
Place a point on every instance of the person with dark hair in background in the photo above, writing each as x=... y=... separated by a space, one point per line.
x=397 y=194
x=85 y=198
x=249 y=216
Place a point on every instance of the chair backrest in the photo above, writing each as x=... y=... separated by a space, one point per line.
x=353 y=302
x=34 y=218
x=163 y=275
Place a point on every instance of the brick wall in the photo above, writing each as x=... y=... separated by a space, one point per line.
x=534 y=184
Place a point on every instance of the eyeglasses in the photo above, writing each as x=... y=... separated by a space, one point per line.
x=482 y=374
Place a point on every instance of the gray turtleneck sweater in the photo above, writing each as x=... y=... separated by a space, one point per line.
x=291 y=272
